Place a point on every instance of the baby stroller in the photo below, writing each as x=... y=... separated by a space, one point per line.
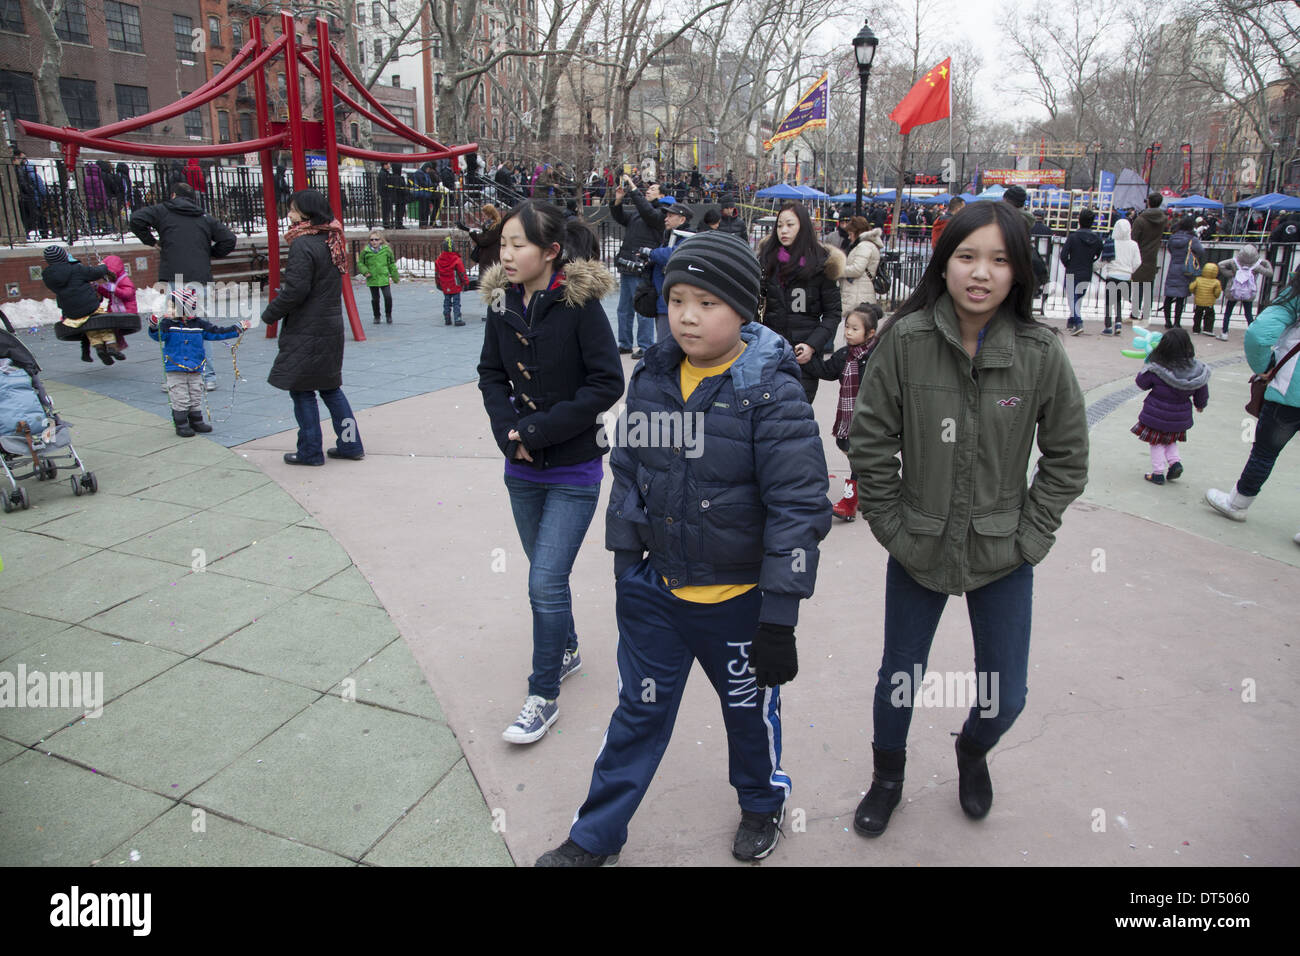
x=31 y=448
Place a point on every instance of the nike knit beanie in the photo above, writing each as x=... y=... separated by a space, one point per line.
x=720 y=263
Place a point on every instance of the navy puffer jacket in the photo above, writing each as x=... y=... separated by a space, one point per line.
x=70 y=281
x=745 y=501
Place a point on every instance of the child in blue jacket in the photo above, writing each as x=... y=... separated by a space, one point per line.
x=720 y=477
x=182 y=335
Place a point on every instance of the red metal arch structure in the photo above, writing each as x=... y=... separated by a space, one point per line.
x=297 y=135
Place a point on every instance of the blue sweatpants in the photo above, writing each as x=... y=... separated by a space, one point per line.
x=659 y=637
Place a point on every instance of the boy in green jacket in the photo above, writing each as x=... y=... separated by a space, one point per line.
x=378 y=264
x=961 y=383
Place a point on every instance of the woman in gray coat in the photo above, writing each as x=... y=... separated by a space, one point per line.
x=310 y=359
x=1176 y=279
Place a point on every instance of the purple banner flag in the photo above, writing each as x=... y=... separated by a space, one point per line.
x=808 y=113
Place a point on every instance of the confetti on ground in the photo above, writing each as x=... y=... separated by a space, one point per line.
x=135 y=856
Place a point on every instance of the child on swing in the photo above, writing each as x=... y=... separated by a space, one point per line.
x=85 y=317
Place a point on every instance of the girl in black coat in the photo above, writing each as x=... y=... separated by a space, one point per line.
x=548 y=371
x=310 y=359
x=801 y=286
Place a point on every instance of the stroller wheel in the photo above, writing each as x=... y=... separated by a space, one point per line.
x=8 y=503
x=49 y=470
x=92 y=483
x=23 y=503
x=76 y=485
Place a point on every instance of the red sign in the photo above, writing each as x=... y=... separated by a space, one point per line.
x=1024 y=177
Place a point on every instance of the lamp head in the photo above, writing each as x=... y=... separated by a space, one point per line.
x=864 y=47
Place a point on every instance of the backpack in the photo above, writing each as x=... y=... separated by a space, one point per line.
x=1244 y=284
x=1191 y=264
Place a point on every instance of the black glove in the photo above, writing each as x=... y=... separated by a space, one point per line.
x=772 y=656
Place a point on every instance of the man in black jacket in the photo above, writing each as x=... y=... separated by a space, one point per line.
x=642 y=229
x=731 y=221
x=189 y=239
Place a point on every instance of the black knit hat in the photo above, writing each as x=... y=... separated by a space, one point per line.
x=56 y=254
x=721 y=263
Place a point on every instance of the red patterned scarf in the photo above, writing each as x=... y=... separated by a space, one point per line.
x=849 y=379
x=333 y=231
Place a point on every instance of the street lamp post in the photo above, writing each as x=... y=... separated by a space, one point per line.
x=864 y=51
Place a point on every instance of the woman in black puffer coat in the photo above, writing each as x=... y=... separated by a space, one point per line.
x=801 y=286
x=310 y=359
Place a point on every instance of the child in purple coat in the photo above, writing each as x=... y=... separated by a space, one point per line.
x=1178 y=382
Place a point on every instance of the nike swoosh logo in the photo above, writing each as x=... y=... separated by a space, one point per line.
x=693 y=269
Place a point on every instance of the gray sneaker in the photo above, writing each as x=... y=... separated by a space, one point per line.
x=569 y=853
x=572 y=663
x=537 y=715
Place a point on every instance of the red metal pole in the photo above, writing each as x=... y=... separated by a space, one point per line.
x=295 y=101
x=332 y=160
x=268 y=179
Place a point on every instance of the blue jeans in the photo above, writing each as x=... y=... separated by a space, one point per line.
x=308 y=416
x=451 y=305
x=552 y=521
x=659 y=637
x=1076 y=287
x=1277 y=425
x=209 y=373
x=1000 y=616
x=627 y=314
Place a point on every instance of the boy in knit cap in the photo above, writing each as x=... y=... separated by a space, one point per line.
x=726 y=490
x=182 y=335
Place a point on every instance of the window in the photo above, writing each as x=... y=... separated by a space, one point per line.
x=437 y=83
x=236 y=34
x=482 y=127
x=512 y=129
x=11 y=16
x=482 y=99
x=217 y=68
x=281 y=86
x=355 y=129
x=397 y=80
x=131 y=100
x=496 y=129
x=223 y=126
x=123 y=21
x=361 y=51
x=392 y=11
x=71 y=25
x=437 y=47
x=404 y=113
x=194 y=123
x=246 y=126
x=376 y=13
x=18 y=95
x=214 y=31
x=379 y=49
x=361 y=15
x=183 y=28
x=79 y=102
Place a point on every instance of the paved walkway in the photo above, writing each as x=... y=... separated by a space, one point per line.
x=226 y=688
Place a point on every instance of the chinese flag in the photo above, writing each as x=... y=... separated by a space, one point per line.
x=927 y=101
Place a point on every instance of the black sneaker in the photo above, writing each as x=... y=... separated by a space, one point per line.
x=1175 y=471
x=757 y=835
x=569 y=853
x=623 y=351
x=637 y=354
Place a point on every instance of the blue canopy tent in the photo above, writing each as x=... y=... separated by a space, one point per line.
x=1276 y=202
x=939 y=200
x=969 y=197
x=807 y=192
x=990 y=194
x=780 y=191
x=1195 y=202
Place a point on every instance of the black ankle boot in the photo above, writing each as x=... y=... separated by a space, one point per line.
x=872 y=815
x=102 y=352
x=85 y=351
x=197 y=422
x=182 y=420
x=974 y=788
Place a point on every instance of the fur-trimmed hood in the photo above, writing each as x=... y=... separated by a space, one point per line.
x=1187 y=379
x=585 y=280
x=835 y=260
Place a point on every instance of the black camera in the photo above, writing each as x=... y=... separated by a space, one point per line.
x=637 y=264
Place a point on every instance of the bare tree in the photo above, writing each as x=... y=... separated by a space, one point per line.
x=47 y=74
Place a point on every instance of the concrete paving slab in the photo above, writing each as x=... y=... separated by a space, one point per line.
x=115 y=520
x=128 y=474
x=90 y=432
x=191 y=614
x=9 y=750
x=91 y=662
x=31 y=558
x=47 y=500
x=89 y=586
x=311 y=641
x=348 y=585
x=266 y=502
x=337 y=776
x=57 y=814
x=148 y=438
x=451 y=826
x=180 y=729
x=203 y=451
x=218 y=484
x=391 y=679
x=212 y=534
x=18 y=630
x=172 y=840
x=295 y=557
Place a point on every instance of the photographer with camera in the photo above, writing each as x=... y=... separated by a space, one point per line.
x=641 y=229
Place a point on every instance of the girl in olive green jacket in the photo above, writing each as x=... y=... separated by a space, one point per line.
x=378 y=264
x=962 y=382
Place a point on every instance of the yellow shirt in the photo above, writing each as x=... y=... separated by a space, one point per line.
x=707 y=593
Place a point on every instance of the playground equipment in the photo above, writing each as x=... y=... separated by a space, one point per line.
x=298 y=135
